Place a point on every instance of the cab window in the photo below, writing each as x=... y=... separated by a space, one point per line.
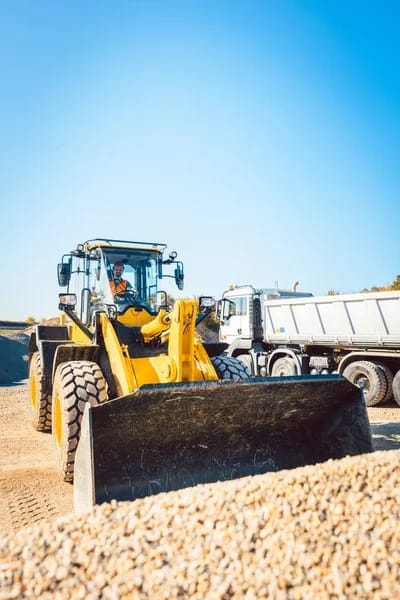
x=240 y=306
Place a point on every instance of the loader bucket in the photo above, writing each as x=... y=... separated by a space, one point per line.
x=167 y=437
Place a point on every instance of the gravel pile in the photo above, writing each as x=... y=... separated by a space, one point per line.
x=323 y=531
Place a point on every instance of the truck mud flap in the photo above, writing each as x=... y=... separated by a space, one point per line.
x=167 y=437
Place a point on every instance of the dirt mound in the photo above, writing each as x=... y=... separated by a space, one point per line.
x=206 y=333
x=13 y=358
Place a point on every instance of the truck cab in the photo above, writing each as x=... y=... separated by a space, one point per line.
x=235 y=313
x=240 y=312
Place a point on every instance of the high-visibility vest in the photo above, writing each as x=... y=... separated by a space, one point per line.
x=121 y=286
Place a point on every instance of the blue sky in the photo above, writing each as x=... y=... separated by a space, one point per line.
x=258 y=139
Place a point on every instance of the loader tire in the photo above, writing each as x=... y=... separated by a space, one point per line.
x=228 y=367
x=389 y=380
x=284 y=367
x=40 y=402
x=396 y=387
x=75 y=384
x=370 y=378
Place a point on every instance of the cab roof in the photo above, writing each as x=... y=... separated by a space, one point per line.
x=123 y=244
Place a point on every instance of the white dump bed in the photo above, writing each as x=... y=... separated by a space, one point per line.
x=367 y=319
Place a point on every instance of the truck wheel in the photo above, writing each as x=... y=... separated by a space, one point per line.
x=370 y=378
x=246 y=359
x=75 y=384
x=228 y=367
x=284 y=367
x=396 y=387
x=389 y=381
x=40 y=402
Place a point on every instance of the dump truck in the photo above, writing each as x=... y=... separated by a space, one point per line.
x=278 y=332
x=138 y=404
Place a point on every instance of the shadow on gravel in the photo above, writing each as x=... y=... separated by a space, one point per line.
x=386 y=436
x=13 y=358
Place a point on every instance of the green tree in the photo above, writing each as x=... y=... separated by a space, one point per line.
x=396 y=283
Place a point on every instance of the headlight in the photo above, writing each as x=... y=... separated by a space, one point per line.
x=66 y=301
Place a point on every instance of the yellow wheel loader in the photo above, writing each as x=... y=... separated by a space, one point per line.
x=138 y=404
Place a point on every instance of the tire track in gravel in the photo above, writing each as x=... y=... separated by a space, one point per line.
x=31 y=490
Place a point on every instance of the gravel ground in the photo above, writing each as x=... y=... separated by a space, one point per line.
x=323 y=531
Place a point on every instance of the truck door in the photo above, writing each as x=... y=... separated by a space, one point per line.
x=236 y=321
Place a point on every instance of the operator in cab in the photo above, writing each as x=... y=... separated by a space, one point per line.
x=118 y=284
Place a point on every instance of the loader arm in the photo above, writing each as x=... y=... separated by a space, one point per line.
x=183 y=359
x=186 y=354
x=184 y=346
x=120 y=363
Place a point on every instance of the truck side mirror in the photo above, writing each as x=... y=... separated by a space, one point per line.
x=64 y=273
x=225 y=309
x=179 y=276
x=218 y=310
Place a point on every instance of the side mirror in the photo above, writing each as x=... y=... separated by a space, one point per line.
x=225 y=309
x=218 y=310
x=64 y=273
x=179 y=276
x=206 y=304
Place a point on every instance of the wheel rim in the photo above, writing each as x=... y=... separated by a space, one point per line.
x=285 y=367
x=33 y=391
x=57 y=421
x=362 y=382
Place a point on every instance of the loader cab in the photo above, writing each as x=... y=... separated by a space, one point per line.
x=87 y=272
